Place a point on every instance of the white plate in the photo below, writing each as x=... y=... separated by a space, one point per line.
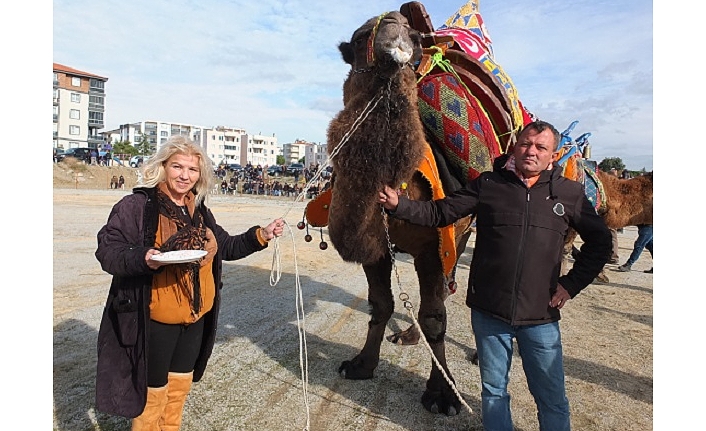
x=179 y=256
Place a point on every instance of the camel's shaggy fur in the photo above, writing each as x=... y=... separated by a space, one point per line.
x=386 y=148
x=628 y=201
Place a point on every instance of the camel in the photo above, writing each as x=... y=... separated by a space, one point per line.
x=628 y=202
x=378 y=139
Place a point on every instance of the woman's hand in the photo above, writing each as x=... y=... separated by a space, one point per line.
x=274 y=229
x=153 y=264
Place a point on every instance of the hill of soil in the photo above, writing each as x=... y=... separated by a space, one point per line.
x=72 y=174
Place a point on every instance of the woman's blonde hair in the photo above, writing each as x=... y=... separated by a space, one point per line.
x=153 y=171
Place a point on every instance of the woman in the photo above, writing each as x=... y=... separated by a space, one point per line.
x=159 y=322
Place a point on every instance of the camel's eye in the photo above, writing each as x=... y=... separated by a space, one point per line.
x=361 y=39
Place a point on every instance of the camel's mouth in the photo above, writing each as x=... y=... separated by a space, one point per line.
x=401 y=54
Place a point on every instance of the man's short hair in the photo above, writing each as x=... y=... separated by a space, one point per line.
x=539 y=126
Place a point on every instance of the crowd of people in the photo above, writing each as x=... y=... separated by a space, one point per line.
x=253 y=180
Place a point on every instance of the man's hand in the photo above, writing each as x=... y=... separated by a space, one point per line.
x=388 y=198
x=560 y=297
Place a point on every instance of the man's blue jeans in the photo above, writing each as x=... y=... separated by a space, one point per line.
x=541 y=353
x=644 y=240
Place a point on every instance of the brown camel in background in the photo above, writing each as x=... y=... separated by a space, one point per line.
x=628 y=202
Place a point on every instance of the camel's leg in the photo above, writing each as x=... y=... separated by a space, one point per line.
x=381 y=308
x=438 y=396
x=568 y=250
x=410 y=336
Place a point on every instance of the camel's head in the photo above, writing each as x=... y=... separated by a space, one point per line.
x=384 y=44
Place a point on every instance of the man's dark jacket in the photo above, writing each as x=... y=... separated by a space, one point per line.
x=121 y=377
x=520 y=237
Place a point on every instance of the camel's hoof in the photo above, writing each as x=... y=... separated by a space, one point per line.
x=437 y=402
x=602 y=278
x=350 y=371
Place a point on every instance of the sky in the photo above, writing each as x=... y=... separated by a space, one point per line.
x=272 y=67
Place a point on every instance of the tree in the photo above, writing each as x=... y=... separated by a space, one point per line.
x=124 y=147
x=611 y=163
x=144 y=147
x=280 y=160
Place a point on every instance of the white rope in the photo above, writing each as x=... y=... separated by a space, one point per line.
x=275 y=275
x=410 y=311
x=358 y=121
x=276 y=269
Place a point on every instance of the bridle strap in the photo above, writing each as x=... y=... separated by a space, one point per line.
x=371 y=40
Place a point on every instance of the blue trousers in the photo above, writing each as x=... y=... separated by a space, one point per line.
x=542 y=360
x=643 y=241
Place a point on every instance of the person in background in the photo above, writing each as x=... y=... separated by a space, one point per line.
x=159 y=322
x=524 y=208
x=643 y=241
x=121 y=182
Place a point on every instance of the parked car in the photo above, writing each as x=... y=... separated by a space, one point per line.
x=138 y=161
x=235 y=167
x=82 y=154
x=58 y=154
x=274 y=171
x=295 y=167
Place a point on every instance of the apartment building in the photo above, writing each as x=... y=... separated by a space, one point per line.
x=222 y=144
x=79 y=107
x=315 y=154
x=295 y=151
x=260 y=149
x=156 y=132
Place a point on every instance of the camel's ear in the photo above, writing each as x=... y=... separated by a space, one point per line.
x=347 y=52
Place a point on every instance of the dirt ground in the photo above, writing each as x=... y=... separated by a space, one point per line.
x=266 y=375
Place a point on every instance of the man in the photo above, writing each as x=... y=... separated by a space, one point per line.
x=643 y=241
x=524 y=208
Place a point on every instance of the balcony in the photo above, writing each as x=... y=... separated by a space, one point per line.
x=95 y=139
x=95 y=123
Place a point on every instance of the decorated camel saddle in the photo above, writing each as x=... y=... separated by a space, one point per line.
x=468 y=105
x=573 y=157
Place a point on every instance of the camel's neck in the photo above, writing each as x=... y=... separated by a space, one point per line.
x=369 y=84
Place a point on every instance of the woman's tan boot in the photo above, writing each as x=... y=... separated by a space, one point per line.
x=154 y=407
x=179 y=387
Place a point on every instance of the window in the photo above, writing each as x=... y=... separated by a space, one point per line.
x=76 y=97
x=95 y=116
x=75 y=81
x=96 y=100
x=74 y=130
x=75 y=114
x=163 y=133
x=56 y=77
x=97 y=84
